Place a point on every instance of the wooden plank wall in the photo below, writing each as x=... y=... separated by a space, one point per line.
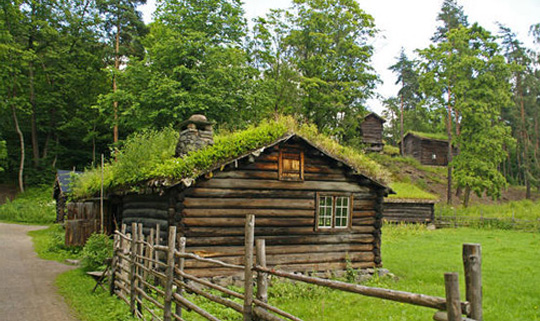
x=396 y=212
x=372 y=129
x=430 y=147
x=83 y=219
x=213 y=214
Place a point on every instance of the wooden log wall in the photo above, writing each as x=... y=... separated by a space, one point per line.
x=372 y=129
x=149 y=210
x=434 y=147
x=213 y=216
x=408 y=212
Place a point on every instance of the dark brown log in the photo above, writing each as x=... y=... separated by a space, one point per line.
x=211 y=212
x=262 y=193
x=216 y=251
x=145 y=205
x=247 y=174
x=472 y=263
x=273 y=203
x=453 y=304
x=270 y=184
x=286 y=239
x=261 y=222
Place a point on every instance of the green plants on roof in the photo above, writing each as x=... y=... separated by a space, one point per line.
x=438 y=136
x=149 y=155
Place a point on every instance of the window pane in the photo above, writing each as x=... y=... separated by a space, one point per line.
x=325 y=212
x=342 y=212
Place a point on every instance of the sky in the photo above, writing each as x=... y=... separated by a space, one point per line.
x=409 y=24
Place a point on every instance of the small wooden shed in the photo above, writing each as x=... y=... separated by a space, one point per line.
x=61 y=189
x=315 y=210
x=426 y=149
x=401 y=210
x=372 y=132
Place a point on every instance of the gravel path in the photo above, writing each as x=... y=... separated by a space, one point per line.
x=27 y=290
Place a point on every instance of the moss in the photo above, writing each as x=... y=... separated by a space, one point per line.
x=410 y=191
x=149 y=155
x=438 y=136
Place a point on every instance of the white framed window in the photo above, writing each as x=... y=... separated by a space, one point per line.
x=333 y=211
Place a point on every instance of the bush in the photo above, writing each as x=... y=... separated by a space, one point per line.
x=35 y=206
x=49 y=244
x=98 y=248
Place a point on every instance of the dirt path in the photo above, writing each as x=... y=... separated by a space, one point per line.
x=27 y=290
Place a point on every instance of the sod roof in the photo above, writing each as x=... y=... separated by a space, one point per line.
x=147 y=159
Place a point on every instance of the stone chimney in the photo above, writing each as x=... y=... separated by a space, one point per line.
x=195 y=133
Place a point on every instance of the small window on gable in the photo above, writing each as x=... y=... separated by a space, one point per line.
x=333 y=211
x=291 y=164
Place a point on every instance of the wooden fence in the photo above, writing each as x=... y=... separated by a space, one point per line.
x=140 y=262
x=456 y=221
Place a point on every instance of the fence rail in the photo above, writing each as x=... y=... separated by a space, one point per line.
x=153 y=284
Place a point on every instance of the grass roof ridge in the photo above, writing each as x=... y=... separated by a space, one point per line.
x=437 y=136
x=165 y=169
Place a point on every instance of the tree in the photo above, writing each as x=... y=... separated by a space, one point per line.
x=439 y=77
x=409 y=93
x=123 y=24
x=479 y=90
x=525 y=97
x=329 y=44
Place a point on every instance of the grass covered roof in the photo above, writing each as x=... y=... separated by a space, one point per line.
x=147 y=158
x=437 y=136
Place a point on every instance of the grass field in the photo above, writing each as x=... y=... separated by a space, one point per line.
x=34 y=206
x=523 y=210
x=416 y=256
x=419 y=258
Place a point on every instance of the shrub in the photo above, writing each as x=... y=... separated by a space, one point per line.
x=98 y=248
x=35 y=205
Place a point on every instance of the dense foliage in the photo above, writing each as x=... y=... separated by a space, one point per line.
x=79 y=77
x=149 y=155
x=34 y=206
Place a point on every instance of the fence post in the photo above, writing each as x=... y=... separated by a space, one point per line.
x=472 y=263
x=114 y=262
x=181 y=260
x=453 y=303
x=140 y=245
x=169 y=273
x=262 y=278
x=248 y=264
x=132 y=292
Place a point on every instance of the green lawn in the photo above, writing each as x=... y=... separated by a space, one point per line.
x=419 y=258
x=523 y=210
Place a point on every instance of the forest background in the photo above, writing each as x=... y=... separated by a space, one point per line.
x=79 y=76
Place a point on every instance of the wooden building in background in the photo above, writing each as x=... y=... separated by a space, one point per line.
x=372 y=132
x=429 y=151
x=61 y=189
x=419 y=211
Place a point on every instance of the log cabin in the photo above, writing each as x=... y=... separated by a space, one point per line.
x=372 y=132
x=316 y=211
x=61 y=189
x=427 y=149
x=407 y=210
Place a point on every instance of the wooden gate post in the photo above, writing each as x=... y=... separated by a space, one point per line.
x=472 y=263
x=169 y=273
x=181 y=261
x=114 y=262
x=248 y=267
x=453 y=302
x=262 y=278
x=133 y=276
